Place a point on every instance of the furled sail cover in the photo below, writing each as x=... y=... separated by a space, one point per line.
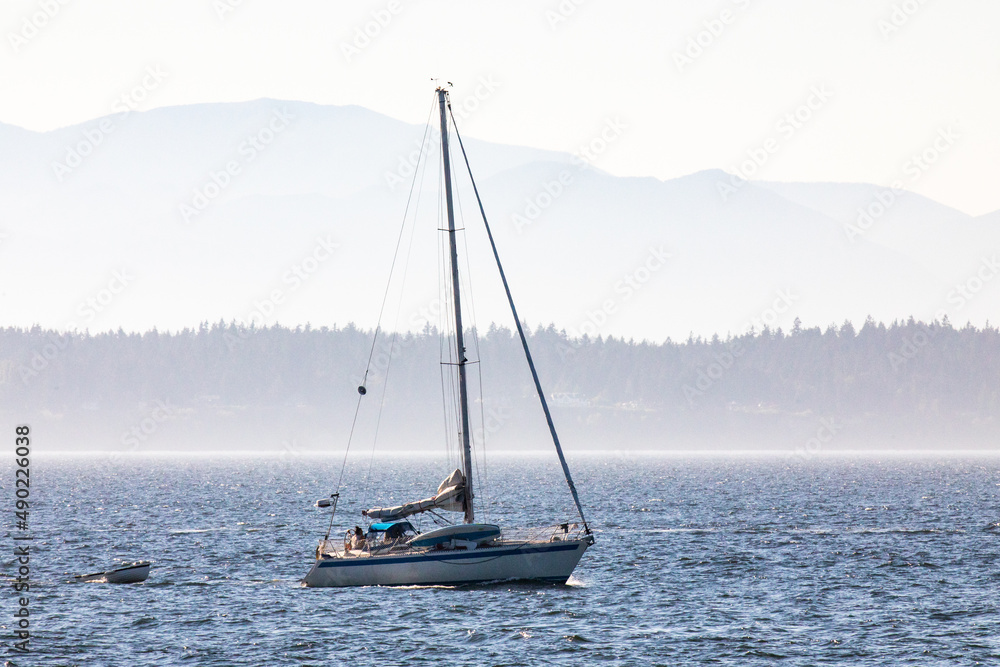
x=450 y=496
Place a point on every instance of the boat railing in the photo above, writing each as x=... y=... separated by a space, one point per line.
x=556 y=533
x=337 y=549
x=327 y=548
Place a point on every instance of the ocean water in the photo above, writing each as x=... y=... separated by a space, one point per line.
x=711 y=561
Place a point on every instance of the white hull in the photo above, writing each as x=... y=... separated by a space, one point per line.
x=129 y=574
x=540 y=561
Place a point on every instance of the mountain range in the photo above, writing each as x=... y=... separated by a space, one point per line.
x=279 y=211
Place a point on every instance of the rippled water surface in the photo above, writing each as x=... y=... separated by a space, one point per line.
x=742 y=562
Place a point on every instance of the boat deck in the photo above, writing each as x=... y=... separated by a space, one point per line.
x=328 y=549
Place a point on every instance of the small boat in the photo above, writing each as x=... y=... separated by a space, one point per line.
x=132 y=573
x=392 y=552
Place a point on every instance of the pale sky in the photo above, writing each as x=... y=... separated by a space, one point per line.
x=695 y=85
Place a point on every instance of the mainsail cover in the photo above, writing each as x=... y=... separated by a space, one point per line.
x=450 y=496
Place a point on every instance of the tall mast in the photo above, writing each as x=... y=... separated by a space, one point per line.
x=524 y=344
x=463 y=393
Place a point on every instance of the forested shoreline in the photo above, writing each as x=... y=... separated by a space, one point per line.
x=903 y=371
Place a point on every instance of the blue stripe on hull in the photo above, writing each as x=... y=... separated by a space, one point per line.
x=472 y=582
x=552 y=563
x=449 y=556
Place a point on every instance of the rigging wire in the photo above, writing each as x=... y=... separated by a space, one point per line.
x=448 y=333
x=449 y=295
x=466 y=276
x=524 y=341
x=449 y=393
x=487 y=494
x=362 y=388
x=422 y=170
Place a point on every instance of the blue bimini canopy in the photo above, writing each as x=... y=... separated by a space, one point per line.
x=397 y=527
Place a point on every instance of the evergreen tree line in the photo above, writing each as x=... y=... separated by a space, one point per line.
x=902 y=368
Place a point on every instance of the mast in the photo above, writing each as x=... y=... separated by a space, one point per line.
x=463 y=393
x=524 y=345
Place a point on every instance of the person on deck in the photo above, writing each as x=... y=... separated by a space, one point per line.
x=358 y=541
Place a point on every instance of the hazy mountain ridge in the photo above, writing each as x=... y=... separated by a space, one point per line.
x=342 y=173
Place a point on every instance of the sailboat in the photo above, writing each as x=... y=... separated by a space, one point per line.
x=392 y=552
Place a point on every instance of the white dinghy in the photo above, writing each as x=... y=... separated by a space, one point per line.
x=131 y=573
